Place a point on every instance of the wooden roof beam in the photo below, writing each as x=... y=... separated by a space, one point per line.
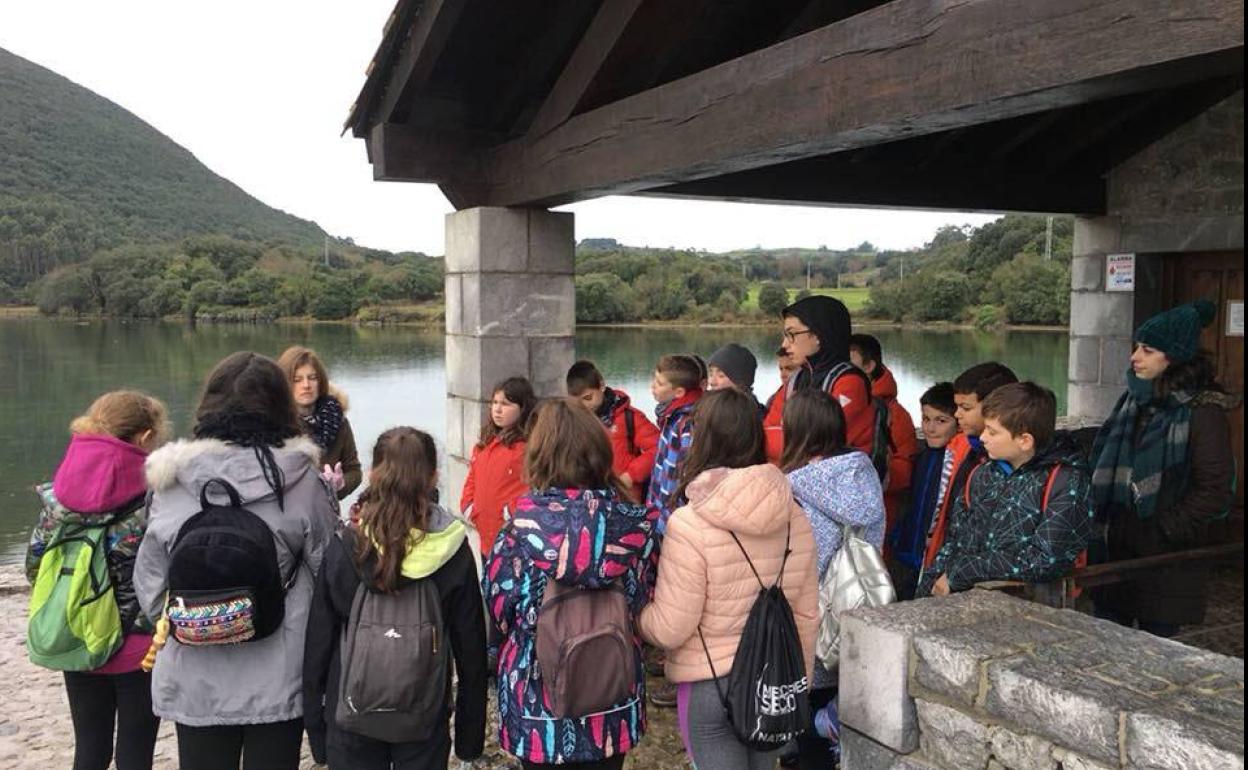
x=418 y=54
x=593 y=49
x=906 y=68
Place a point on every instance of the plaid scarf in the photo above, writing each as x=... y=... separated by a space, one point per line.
x=1130 y=473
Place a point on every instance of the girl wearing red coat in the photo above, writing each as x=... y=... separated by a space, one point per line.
x=495 y=474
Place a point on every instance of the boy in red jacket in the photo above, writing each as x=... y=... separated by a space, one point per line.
x=866 y=353
x=634 y=439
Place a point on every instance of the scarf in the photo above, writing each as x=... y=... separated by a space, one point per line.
x=324 y=421
x=606 y=410
x=1130 y=473
x=667 y=408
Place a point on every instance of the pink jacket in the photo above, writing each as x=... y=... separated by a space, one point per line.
x=705 y=580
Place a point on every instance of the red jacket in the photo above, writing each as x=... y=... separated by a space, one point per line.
x=645 y=440
x=960 y=446
x=851 y=391
x=903 y=445
x=494 y=482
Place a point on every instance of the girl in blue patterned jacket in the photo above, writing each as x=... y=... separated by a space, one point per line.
x=575 y=528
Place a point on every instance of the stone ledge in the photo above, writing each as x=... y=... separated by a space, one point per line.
x=988 y=681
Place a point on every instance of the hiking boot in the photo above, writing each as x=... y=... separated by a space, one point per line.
x=663 y=695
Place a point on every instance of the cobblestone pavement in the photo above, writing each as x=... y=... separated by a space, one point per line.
x=36 y=734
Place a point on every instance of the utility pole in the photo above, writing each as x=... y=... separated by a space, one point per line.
x=326 y=251
x=1048 y=239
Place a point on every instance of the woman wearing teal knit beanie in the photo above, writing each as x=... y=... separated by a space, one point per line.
x=1164 y=470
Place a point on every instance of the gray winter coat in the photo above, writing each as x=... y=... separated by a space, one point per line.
x=255 y=682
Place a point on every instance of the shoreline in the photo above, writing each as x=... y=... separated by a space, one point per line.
x=30 y=312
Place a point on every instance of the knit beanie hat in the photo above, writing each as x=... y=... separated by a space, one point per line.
x=737 y=362
x=1176 y=332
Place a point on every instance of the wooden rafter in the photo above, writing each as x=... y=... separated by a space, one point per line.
x=593 y=49
x=419 y=52
x=907 y=68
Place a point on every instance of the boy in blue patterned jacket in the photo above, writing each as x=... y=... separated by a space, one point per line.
x=676 y=387
x=1027 y=514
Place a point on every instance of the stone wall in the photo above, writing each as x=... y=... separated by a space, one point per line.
x=983 y=681
x=1184 y=193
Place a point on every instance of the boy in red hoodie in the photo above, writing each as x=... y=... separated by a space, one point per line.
x=634 y=439
x=866 y=353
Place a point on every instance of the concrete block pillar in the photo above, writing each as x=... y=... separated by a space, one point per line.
x=1101 y=322
x=510 y=311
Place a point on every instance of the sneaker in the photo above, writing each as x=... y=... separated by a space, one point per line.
x=663 y=695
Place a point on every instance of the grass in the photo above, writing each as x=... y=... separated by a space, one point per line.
x=855 y=299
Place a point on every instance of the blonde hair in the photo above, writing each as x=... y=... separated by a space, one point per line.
x=124 y=414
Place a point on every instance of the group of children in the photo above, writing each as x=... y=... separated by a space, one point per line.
x=601 y=532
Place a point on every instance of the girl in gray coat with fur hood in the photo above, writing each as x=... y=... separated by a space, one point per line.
x=239 y=701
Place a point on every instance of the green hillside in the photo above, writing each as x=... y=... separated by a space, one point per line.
x=79 y=173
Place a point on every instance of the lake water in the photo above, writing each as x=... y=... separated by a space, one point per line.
x=50 y=371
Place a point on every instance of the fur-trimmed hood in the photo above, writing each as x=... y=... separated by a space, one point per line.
x=333 y=390
x=191 y=463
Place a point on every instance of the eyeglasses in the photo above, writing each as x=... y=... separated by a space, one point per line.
x=792 y=336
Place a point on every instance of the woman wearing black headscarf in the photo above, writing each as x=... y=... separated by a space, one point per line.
x=816 y=336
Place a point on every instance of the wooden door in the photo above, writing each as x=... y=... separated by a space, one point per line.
x=1218 y=276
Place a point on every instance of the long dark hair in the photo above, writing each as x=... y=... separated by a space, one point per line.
x=726 y=434
x=247 y=402
x=518 y=391
x=814 y=426
x=396 y=502
x=567 y=448
x=1192 y=376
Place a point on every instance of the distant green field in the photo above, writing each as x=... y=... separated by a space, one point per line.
x=855 y=299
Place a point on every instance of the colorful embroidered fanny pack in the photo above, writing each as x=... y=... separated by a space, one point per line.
x=213 y=618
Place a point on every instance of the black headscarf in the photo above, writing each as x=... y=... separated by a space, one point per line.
x=828 y=318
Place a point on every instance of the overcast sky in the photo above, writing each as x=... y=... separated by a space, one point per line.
x=259 y=90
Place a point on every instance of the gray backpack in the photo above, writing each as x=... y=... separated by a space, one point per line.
x=395 y=664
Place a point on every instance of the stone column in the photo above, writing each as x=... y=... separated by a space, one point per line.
x=510 y=310
x=1101 y=323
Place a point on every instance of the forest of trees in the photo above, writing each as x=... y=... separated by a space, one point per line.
x=102 y=214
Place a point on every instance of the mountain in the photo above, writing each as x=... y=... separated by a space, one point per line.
x=79 y=173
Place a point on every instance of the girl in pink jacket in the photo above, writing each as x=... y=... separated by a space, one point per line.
x=704 y=581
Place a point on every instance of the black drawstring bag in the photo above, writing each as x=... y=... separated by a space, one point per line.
x=766 y=702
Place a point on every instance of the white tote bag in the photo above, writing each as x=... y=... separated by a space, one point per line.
x=856 y=578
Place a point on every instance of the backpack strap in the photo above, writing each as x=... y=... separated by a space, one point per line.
x=630 y=431
x=1048 y=487
x=227 y=487
x=966 y=490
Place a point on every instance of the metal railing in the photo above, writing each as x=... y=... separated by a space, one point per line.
x=1061 y=593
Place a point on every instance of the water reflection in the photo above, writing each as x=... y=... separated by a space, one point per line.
x=52 y=370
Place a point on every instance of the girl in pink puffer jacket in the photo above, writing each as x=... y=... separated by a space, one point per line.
x=704 y=581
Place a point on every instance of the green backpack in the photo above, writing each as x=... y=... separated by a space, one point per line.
x=74 y=623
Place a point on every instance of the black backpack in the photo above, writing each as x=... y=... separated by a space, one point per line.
x=395 y=661
x=766 y=701
x=225 y=585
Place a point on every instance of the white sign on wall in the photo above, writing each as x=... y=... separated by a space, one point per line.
x=1235 y=318
x=1119 y=272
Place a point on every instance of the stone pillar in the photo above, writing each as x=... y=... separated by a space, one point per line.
x=1101 y=323
x=510 y=310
